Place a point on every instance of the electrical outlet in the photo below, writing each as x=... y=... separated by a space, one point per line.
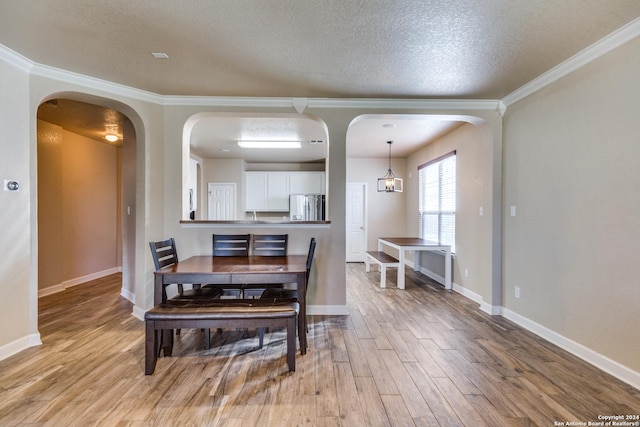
x=513 y=211
x=517 y=292
x=466 y=272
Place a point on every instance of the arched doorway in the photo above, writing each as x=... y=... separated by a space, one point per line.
x=86 y=192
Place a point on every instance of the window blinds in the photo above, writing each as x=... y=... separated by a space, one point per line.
x=437 y=200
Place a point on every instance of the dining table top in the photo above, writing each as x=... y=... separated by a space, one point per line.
x=238 y=264
x=410 y=241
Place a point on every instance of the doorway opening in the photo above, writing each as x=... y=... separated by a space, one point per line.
x=86 y=168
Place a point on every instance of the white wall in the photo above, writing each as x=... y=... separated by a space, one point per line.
x=571 y=169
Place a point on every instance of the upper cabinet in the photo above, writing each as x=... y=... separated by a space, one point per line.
x=307 y=182
x=269 y=191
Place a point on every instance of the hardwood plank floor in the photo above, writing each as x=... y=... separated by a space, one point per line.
x=419 y=357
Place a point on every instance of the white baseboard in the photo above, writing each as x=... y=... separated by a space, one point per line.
x=596 y=359
x=130 y=296
x=327 y=310
x=77 y=281
x=18 y=345
x=138 y=313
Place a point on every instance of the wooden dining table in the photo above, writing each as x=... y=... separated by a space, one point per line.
x=416 y=244
x=221 y=271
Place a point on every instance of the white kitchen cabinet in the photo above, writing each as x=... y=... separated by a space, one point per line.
x=307 y=182
x=267 y=191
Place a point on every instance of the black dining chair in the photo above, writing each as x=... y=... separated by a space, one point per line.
x=267 y=245
x=275 y=292
x=225 y=245
x=164 y=254
x=284 y=293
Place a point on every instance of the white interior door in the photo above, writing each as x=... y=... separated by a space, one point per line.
x=356 y=228
x=222 y=201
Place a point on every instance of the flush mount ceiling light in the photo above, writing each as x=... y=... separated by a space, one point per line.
x=269 y=144
x=390 y=183
x=111 y=132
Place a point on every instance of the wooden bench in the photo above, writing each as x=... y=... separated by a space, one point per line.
x=383 y=260
x=237 y=313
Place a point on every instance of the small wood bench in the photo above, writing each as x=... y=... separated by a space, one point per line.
x=237 y=313
x=383 y=260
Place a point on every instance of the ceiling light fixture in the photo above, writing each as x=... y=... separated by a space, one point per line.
x=269 y=144
x=111 y=137
x=390 y=183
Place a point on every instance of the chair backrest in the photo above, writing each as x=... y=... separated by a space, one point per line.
x=269 y=244
x=231 y=244
x=164 y=253
x=312 y=250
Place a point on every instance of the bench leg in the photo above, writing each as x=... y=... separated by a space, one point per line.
x=367 y=264
x=151 y=347
x=291 y=343
x=207 y=338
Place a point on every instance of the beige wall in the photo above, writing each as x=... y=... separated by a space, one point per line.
x=473 y=239
x=18 y=307
x=571 y=169
x=78 y=205
x=386 y=212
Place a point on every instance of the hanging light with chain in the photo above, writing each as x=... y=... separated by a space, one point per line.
x=390 y=183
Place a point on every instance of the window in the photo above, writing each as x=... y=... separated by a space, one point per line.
x=437 y=200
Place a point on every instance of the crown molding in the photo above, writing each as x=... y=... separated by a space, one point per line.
x=95 y=83
x=15 y=59
x=441 y=104
x=591 y=53
x=227 y=101
x=351 y=103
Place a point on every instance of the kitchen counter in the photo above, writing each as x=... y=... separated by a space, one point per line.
x=251 y=223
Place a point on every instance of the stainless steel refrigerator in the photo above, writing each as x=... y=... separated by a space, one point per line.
x=306 y=207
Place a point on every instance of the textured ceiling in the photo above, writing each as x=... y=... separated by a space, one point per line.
x=463 y=49
x=331 y=48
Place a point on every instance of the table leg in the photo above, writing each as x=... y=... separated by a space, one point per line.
x=447 y=269
x=401 y=269
x=302 y=315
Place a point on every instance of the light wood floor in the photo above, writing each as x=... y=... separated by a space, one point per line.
x=423 y=356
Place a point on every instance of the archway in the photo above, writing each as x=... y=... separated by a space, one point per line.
x=108 y=219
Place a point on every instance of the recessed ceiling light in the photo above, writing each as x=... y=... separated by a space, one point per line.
x=388 y=125
x=160 y=55
x=111 y=137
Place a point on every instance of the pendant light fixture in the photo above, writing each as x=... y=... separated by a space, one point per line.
x=390 y=183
